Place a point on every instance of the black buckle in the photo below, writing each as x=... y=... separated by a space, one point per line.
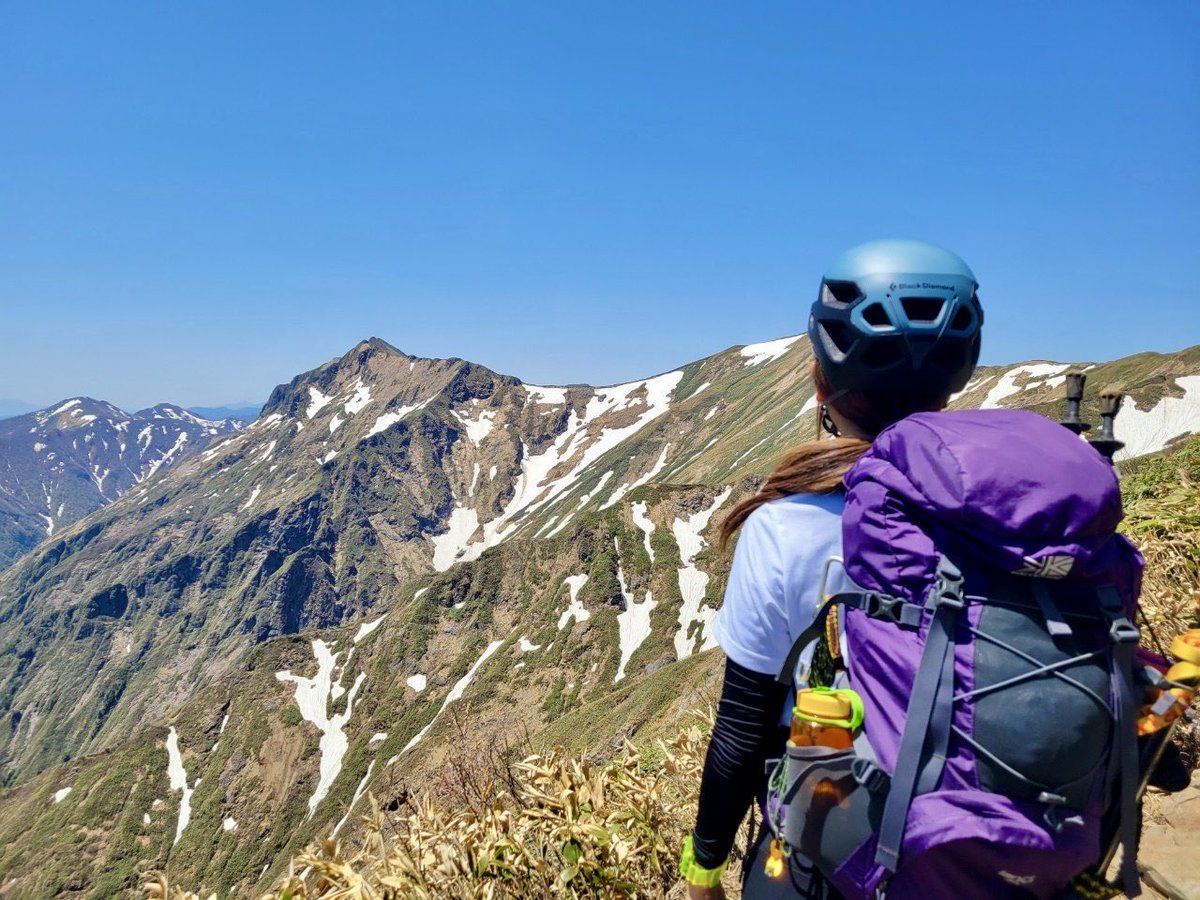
x=948 y=589
x=887 y=608
x=869 y=775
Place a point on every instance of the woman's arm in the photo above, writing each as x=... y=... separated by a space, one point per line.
x=745 y=733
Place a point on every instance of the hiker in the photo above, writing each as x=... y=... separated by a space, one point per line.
x=895 y=333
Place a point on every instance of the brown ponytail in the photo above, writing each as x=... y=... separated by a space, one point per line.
x=818 y=467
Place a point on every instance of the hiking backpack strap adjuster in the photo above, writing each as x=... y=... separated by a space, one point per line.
x=930 y=713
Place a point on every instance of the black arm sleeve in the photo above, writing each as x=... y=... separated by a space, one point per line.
x=746 y=732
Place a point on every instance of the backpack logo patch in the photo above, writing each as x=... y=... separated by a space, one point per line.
x=1018 y=880
x=1047 y=567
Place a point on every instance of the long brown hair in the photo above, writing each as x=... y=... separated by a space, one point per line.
x=818 y=467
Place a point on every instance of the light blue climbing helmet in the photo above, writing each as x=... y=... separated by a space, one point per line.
x=897 y=313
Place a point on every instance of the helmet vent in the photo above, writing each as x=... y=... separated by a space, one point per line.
x=876 y=316
x=840 y=293
x=922 y=309
x=962 y=319
x=882 y=354
x=839 y=335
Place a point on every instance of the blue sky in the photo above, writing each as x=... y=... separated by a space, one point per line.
x=198 y=201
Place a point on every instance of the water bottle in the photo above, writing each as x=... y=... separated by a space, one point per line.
x=825 y=717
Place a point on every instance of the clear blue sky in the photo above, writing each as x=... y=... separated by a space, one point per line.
x=200 y=200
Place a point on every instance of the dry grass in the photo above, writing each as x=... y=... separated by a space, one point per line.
x=551 y=825
x=1162 y=516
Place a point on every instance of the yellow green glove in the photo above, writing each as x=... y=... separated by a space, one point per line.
x=694 y=873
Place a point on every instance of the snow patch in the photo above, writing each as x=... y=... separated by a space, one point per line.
x=537 y=394
x=367 y=627
x=230 y=824
x=449 y=547
x=358 y=792
x=455 y=693
x=388 y=419
x=693 y=582
x=527 y=646
x=1148 y=431
x=642 y=521
x=1037 y=375
x=316 y=402
x=633 y=624
x=335 y=422
x=377 y=737
x=575 y=609
x=416 y=682
x=177 y=776
x=253 y=496
x=767 y=351
x=478 y=428
x=626 y=488
x=362 y=396
x=61 y=794
x=166 y=457
x=313 y=696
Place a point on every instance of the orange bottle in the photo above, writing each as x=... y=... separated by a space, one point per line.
x=825 y=717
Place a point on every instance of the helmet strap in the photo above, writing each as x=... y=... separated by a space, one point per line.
x=827 y=421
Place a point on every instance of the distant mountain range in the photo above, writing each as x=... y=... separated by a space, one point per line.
x=239 y=412
x=10 y=407
x=63 y=462
x=208 y=671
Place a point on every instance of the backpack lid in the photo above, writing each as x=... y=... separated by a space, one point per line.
x=1003 y=489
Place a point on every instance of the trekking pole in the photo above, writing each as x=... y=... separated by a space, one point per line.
x=1071 y=421
x=1106 y=443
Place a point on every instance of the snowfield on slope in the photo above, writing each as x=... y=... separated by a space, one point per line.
x=313 y=696
x=177 y=776
x=1037 y=375
x=575 y=609
x=642 y=521
x=693 y=582
x=575 y=445
x=767 y=351
x=633 y=624
x=1148 y=431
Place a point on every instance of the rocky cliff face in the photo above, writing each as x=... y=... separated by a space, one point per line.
x=455 y=545
x=59 y=464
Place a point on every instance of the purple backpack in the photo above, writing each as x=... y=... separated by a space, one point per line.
x=991 y=641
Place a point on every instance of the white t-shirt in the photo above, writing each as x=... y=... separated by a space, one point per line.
x=774 y=590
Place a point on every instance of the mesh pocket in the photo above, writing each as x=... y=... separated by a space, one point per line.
x=827 y=814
